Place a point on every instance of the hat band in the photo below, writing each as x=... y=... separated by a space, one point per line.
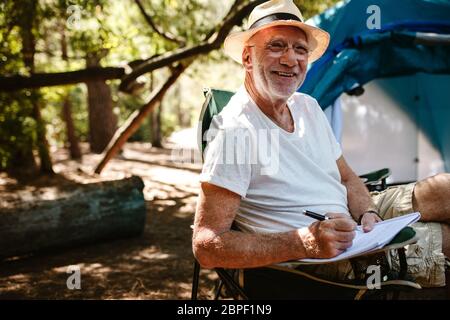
x=274 y=17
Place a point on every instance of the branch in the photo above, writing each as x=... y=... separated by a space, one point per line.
x=12 y=83
x=149 y=20
x=37 y=80
x=135 y=120
x=233 y=7
x=234 y=20
x=180 y=54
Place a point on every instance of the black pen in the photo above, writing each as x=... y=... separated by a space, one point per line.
x=315 y=215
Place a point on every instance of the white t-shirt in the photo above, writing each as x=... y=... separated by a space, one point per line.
x=278 y=174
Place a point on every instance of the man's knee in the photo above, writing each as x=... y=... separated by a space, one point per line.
x=431 y=197
x=446 y=240
x=436 y=185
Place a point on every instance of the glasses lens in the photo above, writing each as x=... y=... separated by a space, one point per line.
x=280 y=47
x=277 y=47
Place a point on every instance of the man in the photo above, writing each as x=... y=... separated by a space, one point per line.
x=265 y=201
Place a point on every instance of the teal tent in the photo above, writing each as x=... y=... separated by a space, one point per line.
x=411 y=39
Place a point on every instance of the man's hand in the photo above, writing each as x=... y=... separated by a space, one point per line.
x=328 y=238
x=368 y=220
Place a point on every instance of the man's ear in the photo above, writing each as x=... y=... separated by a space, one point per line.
x=247 y=59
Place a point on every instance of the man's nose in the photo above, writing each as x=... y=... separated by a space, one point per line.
x=289 y=57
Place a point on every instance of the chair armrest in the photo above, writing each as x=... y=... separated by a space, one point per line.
x=376 y=176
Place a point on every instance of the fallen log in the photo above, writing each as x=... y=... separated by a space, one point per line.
x=86 y=214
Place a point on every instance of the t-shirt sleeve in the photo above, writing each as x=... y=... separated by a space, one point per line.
x=225 y=163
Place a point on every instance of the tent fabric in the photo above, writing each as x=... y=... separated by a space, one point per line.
x=378 y=56
x=413 y=41
x=349 y=18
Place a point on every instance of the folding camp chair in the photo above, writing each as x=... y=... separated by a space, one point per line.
x=246 y=283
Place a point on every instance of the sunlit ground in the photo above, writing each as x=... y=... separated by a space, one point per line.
x=157 y=265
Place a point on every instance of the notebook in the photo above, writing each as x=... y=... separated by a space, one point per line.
x=365 y=242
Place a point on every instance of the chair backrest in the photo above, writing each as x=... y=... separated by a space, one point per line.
x=215 y=101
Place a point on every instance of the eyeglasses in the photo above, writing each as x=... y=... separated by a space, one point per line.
x=277 y=48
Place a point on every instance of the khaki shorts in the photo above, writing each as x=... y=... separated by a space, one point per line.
x=426 y=262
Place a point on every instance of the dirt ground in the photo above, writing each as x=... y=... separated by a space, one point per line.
x=157 y=265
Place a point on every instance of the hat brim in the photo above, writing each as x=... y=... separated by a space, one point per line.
x=318 y=39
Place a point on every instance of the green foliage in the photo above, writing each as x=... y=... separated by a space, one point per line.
x=310 y=8
x=17 y=127
x=110 y=33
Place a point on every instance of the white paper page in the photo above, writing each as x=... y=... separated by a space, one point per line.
x=382 y=233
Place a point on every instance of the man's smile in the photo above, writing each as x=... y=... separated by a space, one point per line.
x=285 y=74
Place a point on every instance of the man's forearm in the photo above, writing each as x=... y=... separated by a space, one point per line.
x=234 y=249
x=358 y=197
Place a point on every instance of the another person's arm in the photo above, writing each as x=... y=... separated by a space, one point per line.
x=216 y=245
x=359 y=200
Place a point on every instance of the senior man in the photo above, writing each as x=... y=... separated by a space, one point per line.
x=310 y=171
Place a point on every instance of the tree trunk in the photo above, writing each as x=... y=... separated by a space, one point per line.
x=102 y=120
x=42 y=144
x=156 y=127
x=177 y=101
x=155 y=118
x=28 y=52
x=72 y=139
x=23 y=163
x=84 y=214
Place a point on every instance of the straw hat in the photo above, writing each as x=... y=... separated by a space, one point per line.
x=277 y=13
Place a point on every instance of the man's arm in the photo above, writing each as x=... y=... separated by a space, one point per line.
x=358 y=197
x=215 y=245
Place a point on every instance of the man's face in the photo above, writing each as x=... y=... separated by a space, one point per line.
x=276 y=59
